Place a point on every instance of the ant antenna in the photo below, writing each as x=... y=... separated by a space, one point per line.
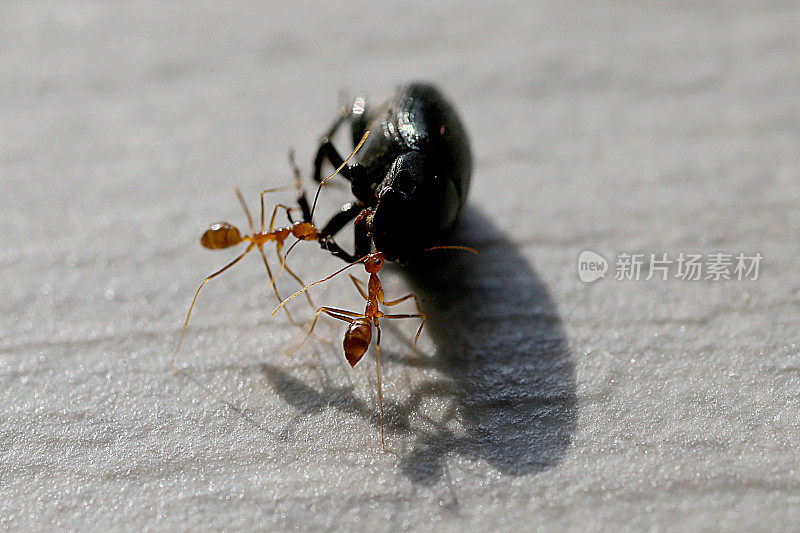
x=321 y=183
x=304 y=289
x=316 y=196
x=464 y=248
x=283 y=260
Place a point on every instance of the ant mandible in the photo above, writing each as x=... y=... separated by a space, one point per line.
x=224 y=235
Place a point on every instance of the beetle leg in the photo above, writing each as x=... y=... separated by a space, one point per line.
x=347 y=213
x=338 y=221
x=363 y=241
x=301 y=282
x=330 y=245
x=344 y=115
x=302 y=201
x=329 y=152
x=196 y=294
x=362 y=238
x=356 y=112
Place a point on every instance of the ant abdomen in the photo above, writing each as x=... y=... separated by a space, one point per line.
x=221 y=235
x=357 y=339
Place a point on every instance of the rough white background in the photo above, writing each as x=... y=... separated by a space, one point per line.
x=538 y=402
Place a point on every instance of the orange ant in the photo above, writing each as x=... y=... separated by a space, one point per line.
x=358 y=336
x=224 y=235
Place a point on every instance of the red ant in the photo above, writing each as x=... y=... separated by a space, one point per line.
x=358 y=336
x=224 y=235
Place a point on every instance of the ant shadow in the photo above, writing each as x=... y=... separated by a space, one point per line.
x=500 y=343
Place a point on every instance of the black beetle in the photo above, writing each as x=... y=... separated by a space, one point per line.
x=410 y=179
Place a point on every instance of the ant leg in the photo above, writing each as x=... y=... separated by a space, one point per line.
x=359 y=287
x=422 y=325
x=189 y=314
x=378 y=370
x=301 y=282
x=326 y=149
x=275 y=213
x=354 y=172
x=340 y=314
x=403 y=299
x=275 y=288
x=302 y=201
x=355 y=110
x=247 y=211
x=267 y=191
x=336 y=223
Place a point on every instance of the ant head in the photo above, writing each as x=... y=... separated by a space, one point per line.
x=357 y=339
x=221 y=235
x=374 y=262
x=305 y=231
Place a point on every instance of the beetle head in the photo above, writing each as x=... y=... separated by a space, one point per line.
x=412 y=207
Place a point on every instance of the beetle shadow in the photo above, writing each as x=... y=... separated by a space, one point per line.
x=499 y=342
x=499 y=338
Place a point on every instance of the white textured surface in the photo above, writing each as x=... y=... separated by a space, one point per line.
x=539 y=401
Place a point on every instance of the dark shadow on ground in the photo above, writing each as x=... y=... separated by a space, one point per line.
x=498 y=336
x=499 y=340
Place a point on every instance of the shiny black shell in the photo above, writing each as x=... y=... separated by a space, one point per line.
x=418 y=162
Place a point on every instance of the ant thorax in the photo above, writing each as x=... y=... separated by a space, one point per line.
x=261 y=237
